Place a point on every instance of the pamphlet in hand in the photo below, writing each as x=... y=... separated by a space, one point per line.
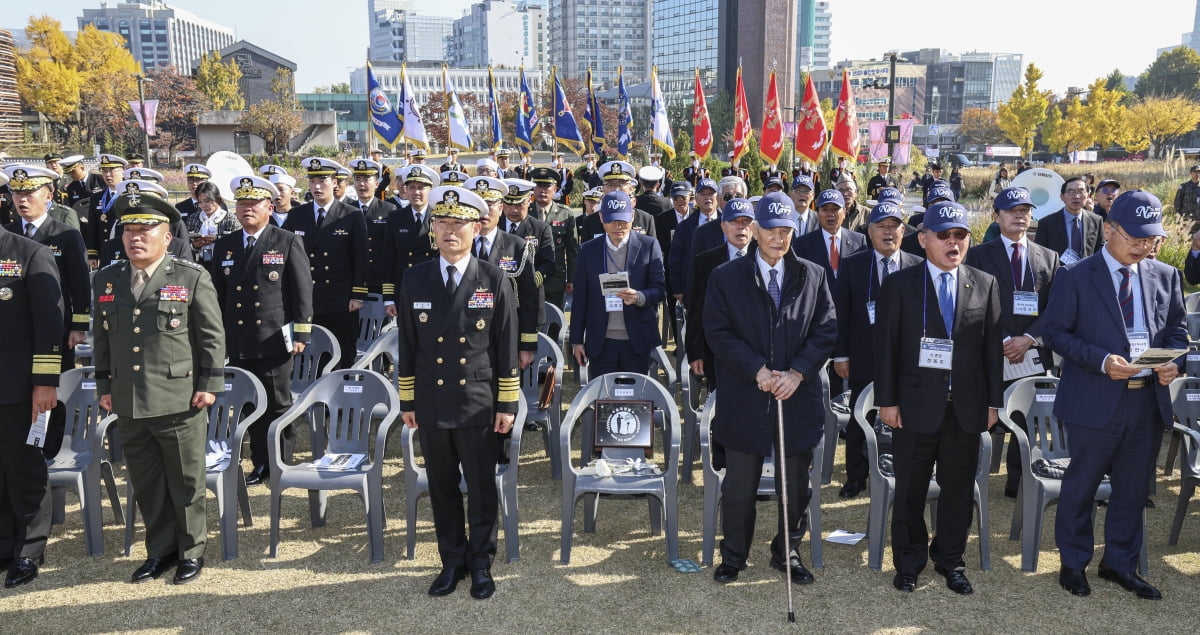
x=339 y=462
x=1155 y=357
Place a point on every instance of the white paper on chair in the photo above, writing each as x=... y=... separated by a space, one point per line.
x=843 y=537
x=217 y=455
x=339 y=462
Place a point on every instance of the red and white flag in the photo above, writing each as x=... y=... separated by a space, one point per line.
x=742 y=130
x=811 y=134
x=845 y=129
x=702 y=137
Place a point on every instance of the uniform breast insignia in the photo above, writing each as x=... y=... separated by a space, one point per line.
x=480 y=324
x=481 y=299
x=273 y=258
x=174 y=323
x=173 y=293
x=423 y=317
x=273 y=276
x=558 y=223
x=106 y=298
x=507 y=264
x=108 y=288
x=340 y=232
x=6 y=293
x=11 y=269
x=532 y=240
x=299 y=232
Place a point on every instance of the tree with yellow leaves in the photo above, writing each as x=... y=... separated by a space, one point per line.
x=219 y=82
x=1020 y=116
x=1106 y=115
x=1158 y=122
x=1066 y=128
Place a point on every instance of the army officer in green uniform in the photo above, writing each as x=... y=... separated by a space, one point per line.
x=159 y=352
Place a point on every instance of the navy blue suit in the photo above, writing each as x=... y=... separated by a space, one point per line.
x=1112 y=428
x=707 y=236
x=814 y=247
x=1052 y=232
x=589 y=319
x=681 y=245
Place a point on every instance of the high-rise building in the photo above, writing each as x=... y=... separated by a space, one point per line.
x=971 y=80
x=763 y=37
x=501 y=33
x=813 y=32
x=685 y=39
x=158 y=34
x=400 y=33
x=10 y=101
x=868 y=83
x=1190 y=40
x=601 y=35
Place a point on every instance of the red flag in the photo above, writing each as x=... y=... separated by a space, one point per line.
x=810 y=130
x=702 y=139
x=845 y=129
x=742 y=130
x=771 y=147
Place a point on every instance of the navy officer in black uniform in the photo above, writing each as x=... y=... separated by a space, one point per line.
x=408 y=241
x=264 y=285
x=376 y=213
x=458 y=382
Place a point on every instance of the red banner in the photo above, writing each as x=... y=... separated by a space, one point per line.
x=771 y=147
x=845 y=129
x=702 y=138
x=811 y=133
x=742 y=131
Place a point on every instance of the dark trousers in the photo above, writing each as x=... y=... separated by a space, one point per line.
x=1125 y=449
x=165 y=458
x=24 y=493
x=468 y=540
x=739 y=497
x=344 y=326
x=857 y=464
x=956 y=453
x=275 y=373
x=618 y=356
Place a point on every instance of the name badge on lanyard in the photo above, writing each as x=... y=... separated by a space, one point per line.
x=871 y=312
x=1025 y=303
x=1139 y=342
x=936 y=353
x=1069 y=257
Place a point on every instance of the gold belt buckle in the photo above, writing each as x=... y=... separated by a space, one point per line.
x=1136 y=384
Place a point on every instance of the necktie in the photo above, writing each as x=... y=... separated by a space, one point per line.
x=419 y=217
x=512 y=227
x=482 y=252
x=250 y=240
x=30 y=230
x=1125 y=297
x=773 y=288
x=1018 y=269
x=139 y=283
x=946 y=302
x=451 y=284
x=1076 y=237
x=320 y=216
x=885 y=264
x=834 y=257
x=740 y=253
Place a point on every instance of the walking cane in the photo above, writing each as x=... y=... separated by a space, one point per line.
x=781 y=468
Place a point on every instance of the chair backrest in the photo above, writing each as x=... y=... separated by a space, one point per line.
x=320 y=356
x=555 y=325
x=381 y=354
x=1191 y=302
x=1185 y=401
x=547 y=353
x=662 y=369
x=77 y=391
x=630 y=387
x=1032 y=400
x=350 y=397
x=863 y=415
x=371 y=318
x=691 y=386
x=244 y=399
x=1193 y=326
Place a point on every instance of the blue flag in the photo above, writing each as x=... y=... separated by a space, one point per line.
x=566 y=129
x=595 y=117
x=528 y=121
x=624 y=117
x=384 y=120
x=494 y=111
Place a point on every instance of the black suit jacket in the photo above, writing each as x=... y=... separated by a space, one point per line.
x=32 y=314
x=262 y=290
x=653 y=204
x=66 y=244
x=992 y=257
x=186 y=208
x=376 y=216
x=1191 y=268
x=906 y=311
x=707 y=236
x=812 y=247
x=1052 y=232
x=858 y=284
x=539 y=234
x=694 y=339
x=515 y=258
x=337 y=253
x=407 y=243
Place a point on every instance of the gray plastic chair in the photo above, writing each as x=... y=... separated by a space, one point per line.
x=242 y=403
x=1043 y=436
x=661 y=490
x=837 y=417
x=1193 y=326
x=416 y=484
x=1191 y=302
x=79 y=464
x=381 y=355
x=555 y=325
x=713 y=480
x=660 y=369
x=548 y=354
x=372 y=319
x=351 y=399
x=692 y=391
x=883 y=489
x=307 y=366
x=1185 y=399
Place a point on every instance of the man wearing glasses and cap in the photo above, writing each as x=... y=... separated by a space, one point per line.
x=100 y=219
x=1104 y=312
x=679 y=265
x=408 y=241
x=1106 y=192
x=881 y=179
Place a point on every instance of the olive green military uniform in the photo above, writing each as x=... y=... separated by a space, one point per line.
x=563 y=227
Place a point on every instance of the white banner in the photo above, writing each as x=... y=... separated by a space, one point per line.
x=151 y=113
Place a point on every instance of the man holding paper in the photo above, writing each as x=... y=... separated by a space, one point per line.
x=1105 y=311
x=1024 y=271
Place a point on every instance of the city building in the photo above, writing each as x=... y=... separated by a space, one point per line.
x=685 y=39
x=10 y=101
x=1190 y=40
x=813 y=31
x=971 y=80
x=601 y=35
x=764 y=36
x=399 y=32
x=158 y=34
x=500 y=33
x=258 y=67
x=868 y=83
x=218 y=130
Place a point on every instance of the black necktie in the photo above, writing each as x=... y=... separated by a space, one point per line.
x=320 y=216
x=482 y=251
x=30 y=230
x=512 y=227
x=250 y=240
x=451 y=285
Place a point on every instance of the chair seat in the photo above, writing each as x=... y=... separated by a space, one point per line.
x=619 y=483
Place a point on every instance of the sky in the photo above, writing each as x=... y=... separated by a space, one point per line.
x=1072 y=43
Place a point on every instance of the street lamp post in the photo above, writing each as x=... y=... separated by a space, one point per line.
x=141 y=80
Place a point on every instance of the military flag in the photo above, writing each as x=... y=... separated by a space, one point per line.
x=566 y=129
x=593 y=116
x=384 y=121
x=457 y=127
x=624 y=117
x=771 y=146
x=494 y=111
x=412 y=126
x=702 y=137
x=845 y=129
x=528 y=122
x=660 y=127
x=811 y=134
x=742 y=130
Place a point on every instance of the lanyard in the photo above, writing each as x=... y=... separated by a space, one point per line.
x=924 y=303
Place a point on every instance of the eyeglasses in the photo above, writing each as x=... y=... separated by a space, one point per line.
x=1144 y=243
x=956 y=234
x=727 y=197
x=1076 y=191
x=1108 y=189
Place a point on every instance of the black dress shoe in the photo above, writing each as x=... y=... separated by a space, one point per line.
x=955 y=580
x=532 y=426
x=22 y=571
x=151 y=569
x=482 y=585
x=726 y=573
x=257 y=475
x=851 y=489
x=1149 y=503
x=447 y=580
x=1010 y=492
x=188 y=570
x=1074 y=581
x=905 y=582
x=1131 y=582
x=796 y=570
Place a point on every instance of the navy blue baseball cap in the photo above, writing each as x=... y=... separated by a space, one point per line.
x=1139 y=213
x=737 y=208
x=803 y=180
x=776 y=210
x=889 y=194
x=831 y=197
x=1011 y=197
x=946 y=215
x=776 y=181
x=616 y=206
x=884 y=211
x=938 y=193
x=681 y=188
x=707 y=184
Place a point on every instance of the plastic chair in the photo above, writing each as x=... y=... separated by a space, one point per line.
x=1191 y=302
x=353 y=400
x=660 y=369
x=79 y=463
x=661 y=489
x=242 y=403
x=548 y=354
x=416 y=483
x=1193 y=326
x=1043 y=436
x=883 y=489
x=1185 y=399
x=381 y=355
x=307 y=366
x=555 y=325
x=691 y=388
x=837 y=417
x=713 y=479
x=372 y=318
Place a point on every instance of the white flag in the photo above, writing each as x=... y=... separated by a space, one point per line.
x=412 y=126
x=456 y=119
x=660 y=127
